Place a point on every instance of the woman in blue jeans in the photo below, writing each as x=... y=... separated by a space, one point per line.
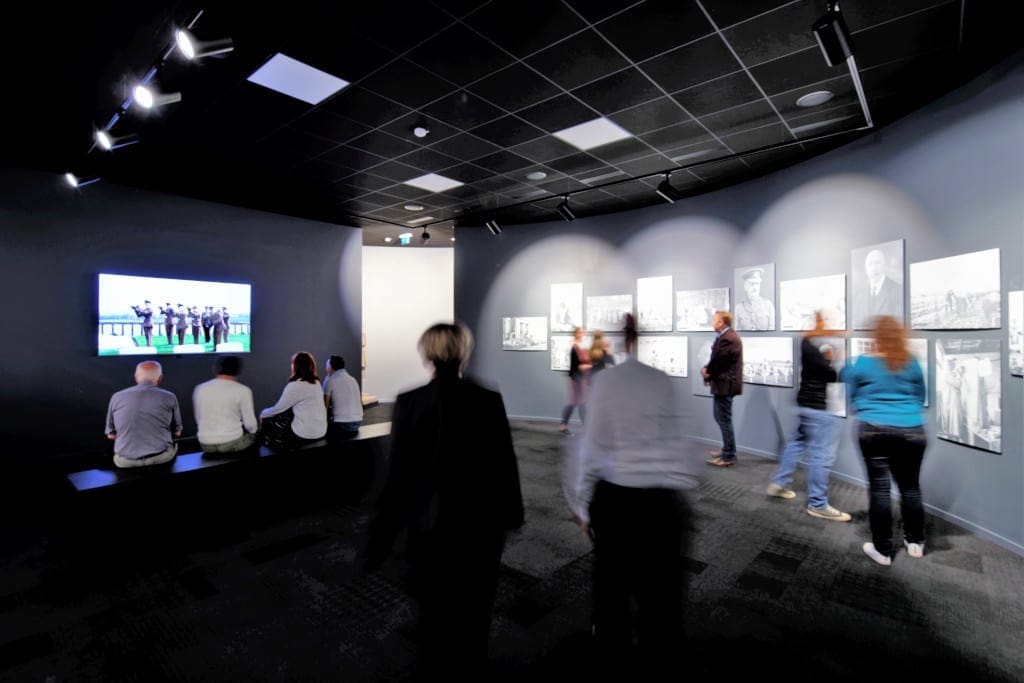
x=887 y=390
x=818 y=431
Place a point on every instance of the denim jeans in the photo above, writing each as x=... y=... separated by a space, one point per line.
x=723 y=416
x=816 y=436
x=895 y=452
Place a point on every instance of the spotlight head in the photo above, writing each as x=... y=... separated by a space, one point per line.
x=667 y=192
x=103 y=139
x=193 y=49
x=185 y=44
x=425 y=236
x=75 y=182
x=147 y=98
x=833 y=37
x=493 y=227
x=565 y=211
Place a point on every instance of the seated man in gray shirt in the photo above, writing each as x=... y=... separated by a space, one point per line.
x=143 y=420
x=343 y=399
x=224 y=409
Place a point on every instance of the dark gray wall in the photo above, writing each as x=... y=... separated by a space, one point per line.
x=306 y=295
x=947 y=179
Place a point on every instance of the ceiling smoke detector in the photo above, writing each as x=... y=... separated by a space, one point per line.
x=813 y=99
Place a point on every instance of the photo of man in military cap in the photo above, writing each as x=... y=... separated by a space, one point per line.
x=755 y=297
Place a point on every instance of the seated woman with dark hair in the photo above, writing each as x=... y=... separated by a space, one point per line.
x=299 y=416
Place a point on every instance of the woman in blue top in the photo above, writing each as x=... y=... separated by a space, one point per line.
x=887 y=390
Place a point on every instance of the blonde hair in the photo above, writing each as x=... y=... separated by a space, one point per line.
x=597 y=350
x=447 y=344
x=891 y=342
x=726 y=317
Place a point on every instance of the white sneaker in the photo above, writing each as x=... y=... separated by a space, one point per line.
x=829 y=512
x=780 y=491
x=914 y=549
x=869 y=550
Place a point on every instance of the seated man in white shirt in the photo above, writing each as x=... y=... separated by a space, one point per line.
x=343 y=399
x=224 y=410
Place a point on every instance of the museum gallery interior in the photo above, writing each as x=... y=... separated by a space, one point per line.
x=336 y=177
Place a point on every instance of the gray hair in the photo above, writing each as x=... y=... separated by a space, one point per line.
x=148 y=371
x=447 y=344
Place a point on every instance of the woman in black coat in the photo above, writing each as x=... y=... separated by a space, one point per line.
x=454 y=487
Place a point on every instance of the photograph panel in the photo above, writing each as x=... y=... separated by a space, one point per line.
x=755 y=297
x=1015 y=330
x=876 y=282
x=607 y=312
x=968 y=398
x=768 y=361
x=956 y=293
x=654 y=304
x=668 y=354
x=701 y=356
x=524 y=334
x=566 y=306
x=696 y=307
x=800 y=299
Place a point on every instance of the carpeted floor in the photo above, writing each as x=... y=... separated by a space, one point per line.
x=270 y=594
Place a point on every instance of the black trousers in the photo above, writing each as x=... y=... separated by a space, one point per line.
x=639 y=536
x=206 y=333
x=893 y=453
x=170 y=333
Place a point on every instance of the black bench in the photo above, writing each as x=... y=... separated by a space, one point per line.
x=184 y=463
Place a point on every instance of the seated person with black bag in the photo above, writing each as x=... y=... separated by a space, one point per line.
x=299 y=416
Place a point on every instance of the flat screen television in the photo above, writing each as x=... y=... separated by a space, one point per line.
x=140 y=315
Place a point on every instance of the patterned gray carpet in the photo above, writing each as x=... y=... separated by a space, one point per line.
x=200 y=590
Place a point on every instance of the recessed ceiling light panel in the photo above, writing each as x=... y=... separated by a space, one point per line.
x=295 y=79
x=813 y=99
x=413 y=207
x=433 y=182
x=593 y=134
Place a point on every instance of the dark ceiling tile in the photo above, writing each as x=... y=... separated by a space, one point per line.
x=597 y=176
x=794 y=71
x=286 y=147
x=629 y=189
x=406 y=192
x=765 y=136
x=692 y=64
x=831 y=121
x=407 y=83
x=382 y=144
x=862 y=15
x=466 y=173
x=561 y=186
x=524 y=26
x=508 y=131
x=364 y=106
x=378 y=21
x=576 y=164
x=463 y=110
x=544 y=149
x=459 y=8
x=721 y=93
x=427 y=159
x=655 y=26
x=322 y=170
x=463 y=192
x=697 y=153
x=251 y=101
x=323 y=123
x=651 y=164
x=716 y=170
x=325 y=44
x=728 y=12
x=776 y=34
x=930 y=30
x=649 y=116
x=583 y=58
x=501 y=185
x=465 y=147
x=367 y=182
x=743 y=117
x=459 y=55
x=378 y=199
x=350 y=157
x=618 y=91
x=622 y=150
x=502 y=162
x=514 y=87
x=596 y=10
x=396 y=171
x=402 y=127
x=558 y=113
x=841 y=88
x=396 y=215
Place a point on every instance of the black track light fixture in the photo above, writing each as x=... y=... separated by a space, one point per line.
x=565 y=211
x=833 y=35
x=493 y=227
x=425 y=236
x=667 y=192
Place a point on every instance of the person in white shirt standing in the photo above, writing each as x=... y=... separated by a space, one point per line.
x=343 y=399
x=224 y=409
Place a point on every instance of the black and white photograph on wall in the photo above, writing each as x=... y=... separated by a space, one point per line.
x=696 y=307
x=561 y=346
x=834 y=348
x=968 y=402
x=701 y=356
x=755 y=297
x=668 y=354
x=876 y=282
x=524 y=334
x=607 y=312
x=615 y=344
x=956 y=293
x=918 y=347
x=1015 y=329
x=768 y=360
x=566 y=306
x=799 y=299
x=654 y=304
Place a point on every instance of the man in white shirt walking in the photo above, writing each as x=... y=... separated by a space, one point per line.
x=343 y=399
x=224 y=410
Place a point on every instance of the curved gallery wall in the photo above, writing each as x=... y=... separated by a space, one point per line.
x=945 y=181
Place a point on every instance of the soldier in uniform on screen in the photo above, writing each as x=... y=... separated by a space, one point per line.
x=207 y=320
x=146 y=313
x=753 y=311
x=224 y=318
x=181 y=323
x=168 y=313
x=195 y=317
x=217 y=325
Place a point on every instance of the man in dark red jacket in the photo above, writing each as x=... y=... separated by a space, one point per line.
x=724 y=374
